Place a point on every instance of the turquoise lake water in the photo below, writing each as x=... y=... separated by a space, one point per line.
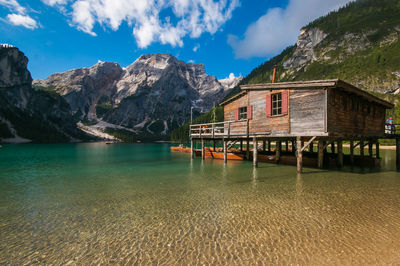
x=139 y=203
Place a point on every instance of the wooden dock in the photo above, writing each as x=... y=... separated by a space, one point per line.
x=309 y=116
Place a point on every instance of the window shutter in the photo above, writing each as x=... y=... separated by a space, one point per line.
x=284 y=102
x=249 y=112
x=237 y=114
x=268 y=106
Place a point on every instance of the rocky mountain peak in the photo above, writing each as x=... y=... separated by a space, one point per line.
x=304 y=53
x=13 y=65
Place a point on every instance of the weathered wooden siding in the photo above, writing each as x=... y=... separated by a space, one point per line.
x=229 y=115
x=307 y=112
x=278 y=125
x=352 y=116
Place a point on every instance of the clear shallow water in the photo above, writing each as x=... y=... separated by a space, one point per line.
x=138 y=203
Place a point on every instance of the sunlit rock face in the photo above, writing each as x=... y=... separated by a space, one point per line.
x=154 y=94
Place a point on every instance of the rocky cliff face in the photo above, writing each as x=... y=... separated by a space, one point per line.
x=152 y=95
x=26 y=114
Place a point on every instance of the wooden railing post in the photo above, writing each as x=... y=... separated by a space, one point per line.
x=213 y=130
x=229 y=129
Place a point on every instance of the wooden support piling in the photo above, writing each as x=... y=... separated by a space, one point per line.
x=202 y=149
x=370 y=148
x=287 y=145
x=340 y=153
x=269 y=146
x=299 y=155
x=377 y=155
x=333 y=146
x=264 y=145
x=191 y=148
x=351 y=152
x=247 y=149
x=320 y=154
x=225 y=151
x=255 y=151
x=277 y=151
x=241 y=145
x=362 y=148
x=398 y=154
x=311 y=147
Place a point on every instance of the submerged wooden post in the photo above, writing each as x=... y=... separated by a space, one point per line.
x=370 y=148
x=287 y=145
x=362 y=148
x=377 y=149
x=248 y=149
x=191 y=148
x=299 y=155
x=202 y=149
x=277 y=151
x=269 y=145
x=398 y=154
x=264 y=144
x=255 y=151
x=225 y=151
x=241 y=145
x=340 y=153
x=320 y=154
x=352 y=152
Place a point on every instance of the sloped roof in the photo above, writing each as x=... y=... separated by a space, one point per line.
x=313 y=84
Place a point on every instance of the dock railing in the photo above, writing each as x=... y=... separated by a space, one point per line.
x=220 y=129
x=390 y=129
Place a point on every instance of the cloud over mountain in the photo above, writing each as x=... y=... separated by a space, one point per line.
x=279 y=27
x=167 y=22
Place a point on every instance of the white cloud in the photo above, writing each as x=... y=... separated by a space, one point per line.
x=13 y=5
x=22 y=20
x=279 y=28
x=55 y=2
x=19 y=15
x=196 y=47
x=191 y=17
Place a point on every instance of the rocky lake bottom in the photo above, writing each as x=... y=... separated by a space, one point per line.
x=139 y=203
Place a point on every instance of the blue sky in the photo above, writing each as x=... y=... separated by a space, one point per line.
x=228 y=36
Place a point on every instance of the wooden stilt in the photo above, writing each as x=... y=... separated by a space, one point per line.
x=377 y=155
x=311 y=150
x=340 y=153
x=264 y=144
x=287 y=145
x=241 y=145
x=225 y=151
x=333 y=147
x=351 y=152
x=370 y=148
x=248 y=149
x=277 y=151
x=191 y=148
x=214 y=148
x=362 y=148
x=299 y=155
x=202 y=149
x=269 y=145
x=255 y=151
x=398 y=154
x=320 y=154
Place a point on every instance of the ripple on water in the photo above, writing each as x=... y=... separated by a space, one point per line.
x=69 y=210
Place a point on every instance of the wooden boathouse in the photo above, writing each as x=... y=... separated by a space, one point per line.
x=297 y=115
